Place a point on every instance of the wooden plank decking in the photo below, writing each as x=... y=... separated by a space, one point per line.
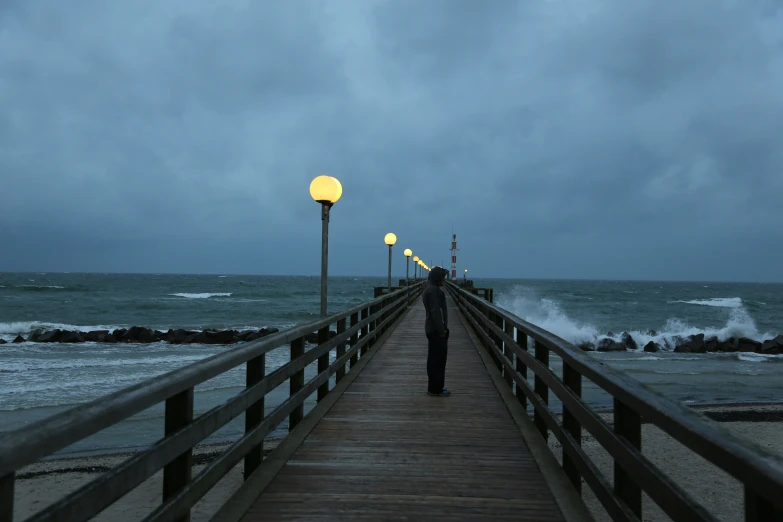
x=388 y=451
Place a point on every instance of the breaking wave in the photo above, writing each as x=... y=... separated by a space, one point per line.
x=202 y=296
x=549 y=315
x=720 y=302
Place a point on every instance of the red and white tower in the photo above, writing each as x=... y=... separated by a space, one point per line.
x=454 y=257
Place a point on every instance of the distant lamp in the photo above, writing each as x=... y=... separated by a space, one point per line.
x=390 y=239
x=325 y=190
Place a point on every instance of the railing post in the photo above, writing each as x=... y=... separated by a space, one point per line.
x=521 y=369
x=541 y=389
x=354 y=339
x=759 y=509
x=628 y=424
x=296 y=383
x=340 y=350
x=7 y=497
x=365 y=329
x=509 y=353
x=373 y=310
x=254 y=415
x=490 y=315
x=573 y=380
x=177 y=473
x=323 y=362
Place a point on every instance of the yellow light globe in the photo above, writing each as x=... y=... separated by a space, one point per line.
x=408 y=252
x=416 y=259
x=390 y=239
x=326 y=189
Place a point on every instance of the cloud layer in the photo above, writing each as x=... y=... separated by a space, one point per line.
x=560 y=139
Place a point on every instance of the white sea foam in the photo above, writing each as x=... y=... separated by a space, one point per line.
x=721 y=302
x=202 y=296
x=25 y=327
x=549 y=315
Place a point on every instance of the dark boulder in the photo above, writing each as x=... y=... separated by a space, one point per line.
x=145 y=335
x=132 y=334
x=269 y=331
x=312 y=338
x=245 y=334
x=652 y=333
x=609 y=345
x=586 y=346
x=254 y=336
x=748 y=345
x=652 y=347
x=3 y=341
x=197 y=338
x=52 y=336
x=779 y=341
x=96 y=336
x=19 y=339
x=610 y=334
x=693 y=344
x=177 y=336
x=109 y=338
x=729 y=345
x=627 y=340
x=770 y=347
x=71 y=337
x=711 y=345
x=36 y=335
x=119 y=333
x=224 y=337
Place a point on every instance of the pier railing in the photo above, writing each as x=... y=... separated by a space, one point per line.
x=517 y=346
x=356 y=330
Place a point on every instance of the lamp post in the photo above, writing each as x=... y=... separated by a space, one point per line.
x=415 y=270
x=390 y=239
x=408 y=253
x=325 y=190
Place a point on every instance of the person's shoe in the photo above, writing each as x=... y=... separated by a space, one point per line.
x=444 y=393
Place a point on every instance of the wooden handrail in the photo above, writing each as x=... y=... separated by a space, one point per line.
x=760 y=471
x=26 y=445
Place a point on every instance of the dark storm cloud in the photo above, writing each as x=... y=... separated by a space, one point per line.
x=562 y=139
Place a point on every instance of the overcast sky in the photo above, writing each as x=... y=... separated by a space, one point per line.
x=560 y=138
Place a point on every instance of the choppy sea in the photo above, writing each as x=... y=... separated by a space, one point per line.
x=37 y=380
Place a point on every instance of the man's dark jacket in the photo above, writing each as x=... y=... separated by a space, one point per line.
x=435 y=304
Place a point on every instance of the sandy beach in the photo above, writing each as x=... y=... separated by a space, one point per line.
x=721 y=494
x=43 y=483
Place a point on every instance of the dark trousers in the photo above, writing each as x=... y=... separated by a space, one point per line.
x=436 y=362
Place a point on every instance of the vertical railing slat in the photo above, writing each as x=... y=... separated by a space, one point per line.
x=323 y=362
x=521 y=369
x=177 y=473
x=340 y=350
x=365 y=329
x=7 y=497
x=573 y=380
x=296 y=383
x=628 y=424
x=354 y=339
x=541 y=389
x=509 y=353
x=255 y=370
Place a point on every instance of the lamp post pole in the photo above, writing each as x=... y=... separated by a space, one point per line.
x=408 y=253
x=325 y=190
x=324 y=254
x=390 y=239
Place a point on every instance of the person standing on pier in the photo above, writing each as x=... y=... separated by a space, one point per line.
x=436 y=327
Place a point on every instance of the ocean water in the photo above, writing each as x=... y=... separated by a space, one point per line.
x=37 y=380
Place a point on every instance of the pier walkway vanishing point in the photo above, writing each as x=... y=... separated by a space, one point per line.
x=377 y=447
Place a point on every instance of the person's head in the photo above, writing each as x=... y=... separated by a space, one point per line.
x=437 y=275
